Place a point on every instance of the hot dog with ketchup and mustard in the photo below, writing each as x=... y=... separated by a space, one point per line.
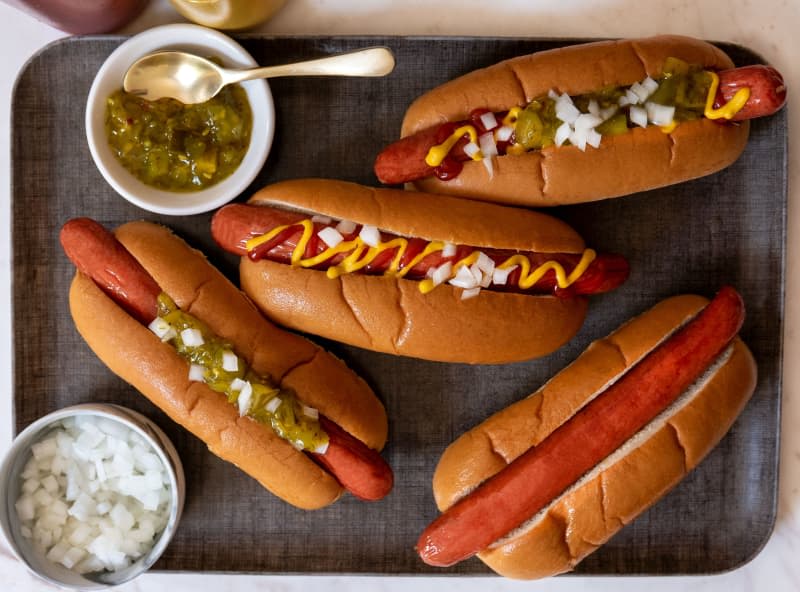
x=431 y=277
x=582 y=123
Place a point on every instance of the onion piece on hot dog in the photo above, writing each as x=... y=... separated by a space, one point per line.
x=582 y=123
x=440 y=279
x=163 y=319
x=538 y=486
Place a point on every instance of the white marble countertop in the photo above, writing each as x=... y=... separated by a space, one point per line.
x=769 y=27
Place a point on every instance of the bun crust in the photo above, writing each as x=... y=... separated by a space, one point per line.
x=625 y=484
x=132 y=352
x=431 y=217
x=639 y=160
x=391 y=315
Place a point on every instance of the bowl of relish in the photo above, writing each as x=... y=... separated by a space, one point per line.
x=175 y=159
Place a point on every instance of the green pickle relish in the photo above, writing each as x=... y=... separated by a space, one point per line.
x=176 y=147
x=681 y=85
x=289 y=419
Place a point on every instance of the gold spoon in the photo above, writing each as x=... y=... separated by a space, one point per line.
x=193 y=79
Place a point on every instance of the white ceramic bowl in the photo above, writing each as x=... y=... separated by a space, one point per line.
x=205 y=42
x=11 y=483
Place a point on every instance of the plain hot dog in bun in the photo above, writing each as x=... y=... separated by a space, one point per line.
x=283 y=410
x=582 y=123
x=543 y=483
x=435 y=278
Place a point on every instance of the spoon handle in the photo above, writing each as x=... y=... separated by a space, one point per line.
x=373 y=61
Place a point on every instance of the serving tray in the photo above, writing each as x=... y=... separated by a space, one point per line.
x=694 y=237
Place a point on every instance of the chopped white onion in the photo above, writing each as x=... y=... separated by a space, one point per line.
x=470 y=293
x=245 y=398
x=488 y=147
x=489 y=121
x=238 y=384
x=330 y=236
x=92 y=513
x=320 y=219
x=587 y=121
x=633 y=98
x=464 y=278
x=476 y=273
x=659 y=114
x=503 y=133
x=552 y=94
x=449 y=250
x=623 y=101
x=593 y=138
x=197 y=373
x=608 y=112
x=578 y=138
x=487 y=164
x=640 y=91
x=273 y=404
x=442 y=273
x=346 y=227
x=594 y=108
x=650 y=85
x=163 y=330
x=310 y=412
x=562 y=134
x=230 y=363
x=471 y=149
x=485 y=263
x=638 y=116
x=500 y=276
x=322 y=448
x=192 y=337
x=566 y=111
x=370 y=235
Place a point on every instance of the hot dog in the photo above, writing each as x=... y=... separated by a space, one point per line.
x=496 y=284
x=540 y=485
x=582 y=123
x=163 y=319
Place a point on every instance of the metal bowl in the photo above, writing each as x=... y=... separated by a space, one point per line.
x=11 y=485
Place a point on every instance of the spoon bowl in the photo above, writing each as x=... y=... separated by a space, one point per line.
x=190 y=78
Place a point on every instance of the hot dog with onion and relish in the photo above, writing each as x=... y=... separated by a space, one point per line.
x=582 y=123
x=277 y=406
x=543 y=483
x=434 y=278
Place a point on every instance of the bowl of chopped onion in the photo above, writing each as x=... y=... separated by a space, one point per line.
x=93 y=494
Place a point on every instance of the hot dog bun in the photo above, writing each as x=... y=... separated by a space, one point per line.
x=136 y=355
x=644 y=158
x=627 y=482
x=391 y=315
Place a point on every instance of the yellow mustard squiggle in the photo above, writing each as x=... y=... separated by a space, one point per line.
x=362 y=255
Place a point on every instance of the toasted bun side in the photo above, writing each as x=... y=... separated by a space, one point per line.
x=414 y=214
x=632 y=479
x=391 y=315
x=318 y=379
x=490 y=446
x=642 y=159
x=137 y=356
x=575 y=69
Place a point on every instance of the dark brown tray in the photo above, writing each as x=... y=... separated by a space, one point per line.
x=726 y=228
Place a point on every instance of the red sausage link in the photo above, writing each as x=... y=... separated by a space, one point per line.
x=404 y=160
x=97 y=253
x=538 y=476
x=767 y=90
x=367 y=477
x=233 y=225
